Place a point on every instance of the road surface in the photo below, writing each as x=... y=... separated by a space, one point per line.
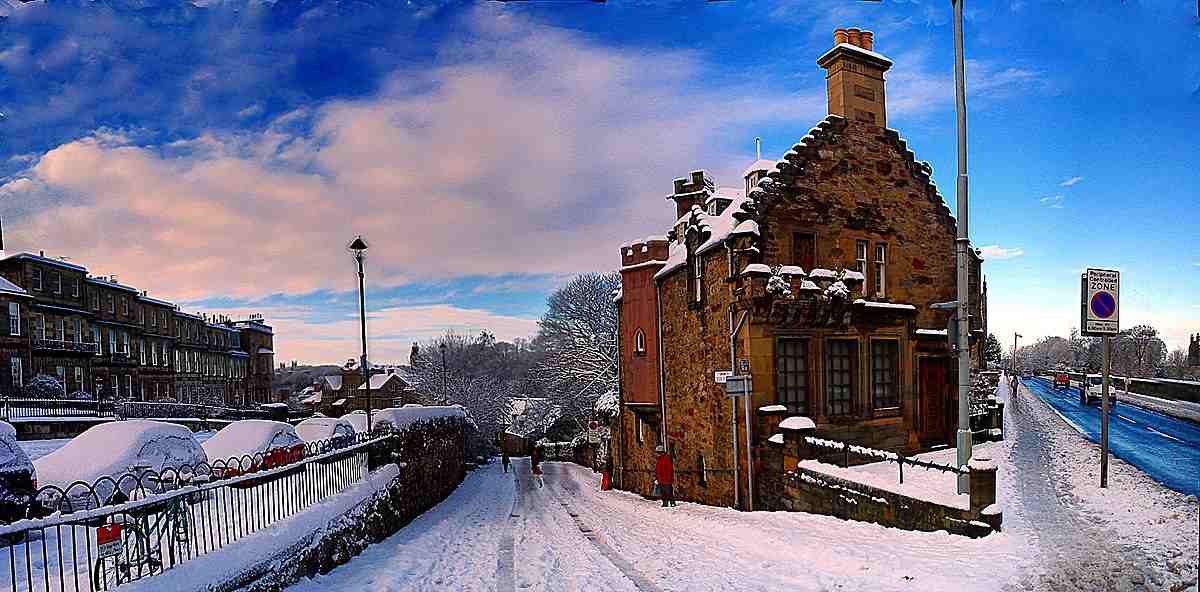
x=1166 y=448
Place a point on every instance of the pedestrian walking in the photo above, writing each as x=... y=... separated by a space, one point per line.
x=664 y=473
x=536 y=460
x=504 y=460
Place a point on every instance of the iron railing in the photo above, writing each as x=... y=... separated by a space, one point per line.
x=18 y=408
x=97 y=536
x=11 y=407
x=847 y=449
x=63 y=345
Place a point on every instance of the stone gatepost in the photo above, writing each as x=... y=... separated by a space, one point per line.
x=795 y=448
x=982 y=480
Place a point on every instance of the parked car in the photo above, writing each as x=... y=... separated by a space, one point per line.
x=130 y=453
x=267 y=444
x=18 y=478
x=1092 y=391
x=1062 y=380
x=336 y=432
x=357 y=419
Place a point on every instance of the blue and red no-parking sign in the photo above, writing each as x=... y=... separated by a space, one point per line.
x=1103 y=304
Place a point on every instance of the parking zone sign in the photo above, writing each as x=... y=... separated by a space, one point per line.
x=1101 y=302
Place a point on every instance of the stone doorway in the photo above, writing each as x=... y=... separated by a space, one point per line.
x=933 y=392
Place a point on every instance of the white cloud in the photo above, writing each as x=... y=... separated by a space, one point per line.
x=1071 y=181
x=998 y=253
x=1052 y=201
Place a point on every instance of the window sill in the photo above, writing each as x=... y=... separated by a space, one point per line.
x=886 y=412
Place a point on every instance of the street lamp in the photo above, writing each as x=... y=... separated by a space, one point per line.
x=443 y=348
x=359 y=246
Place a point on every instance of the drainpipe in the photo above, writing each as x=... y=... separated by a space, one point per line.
x=733 y=333
x=662 y=375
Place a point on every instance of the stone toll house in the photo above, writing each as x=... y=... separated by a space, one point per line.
x=822 y=267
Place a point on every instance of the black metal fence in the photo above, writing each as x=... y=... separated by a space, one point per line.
x=846 y=450
x=97 y=536
x=11 y=407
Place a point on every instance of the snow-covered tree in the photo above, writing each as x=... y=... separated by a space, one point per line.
x=993 y=352
x=44 y=386
x=578 y=335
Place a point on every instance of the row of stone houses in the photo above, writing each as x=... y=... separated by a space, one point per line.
x=338 y=394
x=113 y=341
x=815 y=277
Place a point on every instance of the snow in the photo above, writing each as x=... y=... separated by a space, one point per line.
x=378 y=381
x=756 y=268
x=404 y=417
x=772 y=408
x=808 y=285
x=7 y=430
x=7 y=287
x=248 y=553
x=313 y=400
x=762 y=164
x=776 y=439
x=116 y=448
x=13 y=458
x=644 y=264
x=935 y=332
x=891 y=305
x=250 y=436
x=853 y=275
x=797 y=422
x=746 y=227
x=794 y=270
x=358 y=419
x=316 y=429
x=333 y=382
x=821 y=273
x=718 y=227
x=837 y=291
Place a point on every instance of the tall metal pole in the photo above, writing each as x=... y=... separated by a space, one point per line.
x=963 y=243
x=749 y=449
x=444 y=395
x=1104 y=413
x=362 y=317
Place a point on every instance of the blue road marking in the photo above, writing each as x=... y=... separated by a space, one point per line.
x=1166 y=448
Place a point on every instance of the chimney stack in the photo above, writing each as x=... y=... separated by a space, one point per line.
x=2 y=254
x=854 y=77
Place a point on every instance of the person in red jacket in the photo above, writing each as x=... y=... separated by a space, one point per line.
x=664 y=472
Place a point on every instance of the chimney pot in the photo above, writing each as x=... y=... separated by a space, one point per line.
x=840 y=37
x=868 y=40
x=855 y=37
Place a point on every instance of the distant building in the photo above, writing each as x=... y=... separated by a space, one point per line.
x=112 y=341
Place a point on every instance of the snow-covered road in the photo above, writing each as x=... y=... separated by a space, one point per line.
x=500 y=532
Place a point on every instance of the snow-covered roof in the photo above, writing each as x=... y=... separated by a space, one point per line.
x=333 y=381
x=265 y=350
x=718 y=227
x=855 y=49
x=115 y=448
x=379 y=380
x=891 y=305
x=772 y=408
x=797 y=422
x=756 y=268
x=7 y=287
x=339 y=402
x=145 y=298
x=762 y=164
x=46 y=260
x=250 y=437
x=313 y=400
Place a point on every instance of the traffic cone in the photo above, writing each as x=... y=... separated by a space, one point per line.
x=604 y=484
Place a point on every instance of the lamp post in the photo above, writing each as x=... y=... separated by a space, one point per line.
x=443 y=348
x=1012 y=362
x=359 y=246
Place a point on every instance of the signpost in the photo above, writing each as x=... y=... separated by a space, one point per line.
x=108 y=540
x=1100 y=300
x=740 y=386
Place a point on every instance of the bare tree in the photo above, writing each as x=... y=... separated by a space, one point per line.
x=578 y=335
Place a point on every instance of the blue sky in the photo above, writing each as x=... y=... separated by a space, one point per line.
x=222 y=153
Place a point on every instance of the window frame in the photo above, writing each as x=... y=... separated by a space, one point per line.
x=862 y=249
x=14 y=319
x=35 y=280
x=17 y=371
x=56 y=282
x=802 y=377
x=639 y=343
x=893 y=358
x=880 y=268
x=845 y=405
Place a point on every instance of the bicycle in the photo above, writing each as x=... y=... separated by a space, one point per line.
x=137 y=556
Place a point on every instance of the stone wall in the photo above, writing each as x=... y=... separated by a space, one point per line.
x=799 y=489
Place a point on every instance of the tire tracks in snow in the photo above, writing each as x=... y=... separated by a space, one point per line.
x=505 y=568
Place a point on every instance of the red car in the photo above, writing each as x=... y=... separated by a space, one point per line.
x=1062 y=380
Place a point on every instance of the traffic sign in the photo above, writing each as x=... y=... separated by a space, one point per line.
x=1101 y=301
x=743 y=365
x=737 y=386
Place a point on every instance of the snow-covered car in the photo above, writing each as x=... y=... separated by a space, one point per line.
x=357 y=419
x=128 y=452
x=251 y=445
x=18 y=478
x=1092 y=390
x=333 y=432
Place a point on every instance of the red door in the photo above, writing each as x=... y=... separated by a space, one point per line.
x=934 y=387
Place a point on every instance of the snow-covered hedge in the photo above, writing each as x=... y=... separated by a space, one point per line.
x=44 y=386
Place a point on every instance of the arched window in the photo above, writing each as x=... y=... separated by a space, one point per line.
x=639 y=343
